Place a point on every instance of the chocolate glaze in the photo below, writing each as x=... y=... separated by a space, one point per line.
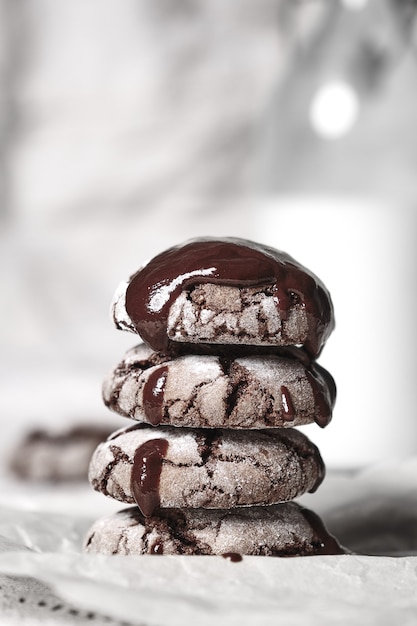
x=153 y=395
x=288 y=410
x=323 y=401
x=326 y=543
x=146 y=474
x=232 y=351
x=157 y=548
x=228 y=261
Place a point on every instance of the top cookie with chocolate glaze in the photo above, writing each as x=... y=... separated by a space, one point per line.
x=225 y=291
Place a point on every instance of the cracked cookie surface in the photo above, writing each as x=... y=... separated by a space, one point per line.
x=208 y=468
x=285 y=529
x=210 y=391
x=224 y=314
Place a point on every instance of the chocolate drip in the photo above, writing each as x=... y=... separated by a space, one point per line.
x=234 y=557
x=232 y=262
x=323 y=402
x=288 y=410
x=146 y=474
x=326 y=543
x=157 y=548
x=153 y=395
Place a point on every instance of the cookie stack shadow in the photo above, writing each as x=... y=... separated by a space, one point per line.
x=226 y=371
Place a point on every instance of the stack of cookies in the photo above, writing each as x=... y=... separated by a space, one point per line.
x=227 y=368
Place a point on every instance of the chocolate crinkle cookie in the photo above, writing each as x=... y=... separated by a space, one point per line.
x=286 y=529
x=225 y=371
x=43 y=455
x=207 y=391
x=178 y=467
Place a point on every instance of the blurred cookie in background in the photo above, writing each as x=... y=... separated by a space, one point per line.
x=56 y=456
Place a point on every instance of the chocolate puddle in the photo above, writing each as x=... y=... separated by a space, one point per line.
x=234 y=557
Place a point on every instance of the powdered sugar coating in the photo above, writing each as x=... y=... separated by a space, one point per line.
x=119 y=314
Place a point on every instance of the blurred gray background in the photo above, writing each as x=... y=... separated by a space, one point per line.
x=129 y=126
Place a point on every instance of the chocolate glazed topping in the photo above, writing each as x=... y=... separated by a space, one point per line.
x=146 y=474
x=153 y=395
x=227 y=261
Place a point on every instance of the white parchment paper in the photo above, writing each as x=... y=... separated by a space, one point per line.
x=45 y=577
